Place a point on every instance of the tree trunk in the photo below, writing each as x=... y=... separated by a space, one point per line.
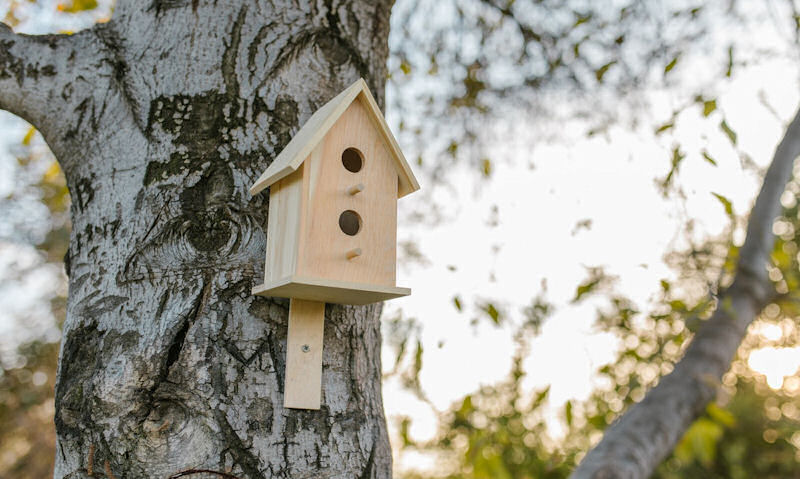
x=636 y=444
x=161 y=120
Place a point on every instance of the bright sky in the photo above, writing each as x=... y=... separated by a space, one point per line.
x=609 y=180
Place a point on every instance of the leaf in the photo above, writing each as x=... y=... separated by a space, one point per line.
x=76 y=6
x=540 y=397
x=728 y=131
x=708 y=158
x=730 y=62
x=725 y=202
x=700 y=442
x=720 y=415
x=418 y=358
x=677 y=158
x=581 y=19
x=457 y=302
x=709 y=106
x=29 y=136
x=664 y=127
x=584 y=289
x=486 y=167
x=493 y=313
x=568 y=412
x=405 y=67
x=671 y=64
x=600 y=72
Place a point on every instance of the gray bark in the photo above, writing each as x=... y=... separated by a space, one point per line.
x=636 y=443
x=161 y=119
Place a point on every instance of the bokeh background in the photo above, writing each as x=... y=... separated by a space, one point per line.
x=587 y=171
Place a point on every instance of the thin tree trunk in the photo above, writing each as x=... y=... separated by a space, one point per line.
x=634 y=445
x=161 y=120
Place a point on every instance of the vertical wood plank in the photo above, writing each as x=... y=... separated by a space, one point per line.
x=303 y=386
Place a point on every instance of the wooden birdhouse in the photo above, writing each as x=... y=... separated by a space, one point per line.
x=332 y=225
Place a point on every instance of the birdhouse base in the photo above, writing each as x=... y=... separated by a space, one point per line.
x=329 y=291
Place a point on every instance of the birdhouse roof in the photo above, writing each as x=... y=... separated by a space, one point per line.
x=301 y=145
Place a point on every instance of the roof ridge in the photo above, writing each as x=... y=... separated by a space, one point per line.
x=317 y=126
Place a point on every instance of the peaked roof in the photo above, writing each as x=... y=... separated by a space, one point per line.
x=301 y=145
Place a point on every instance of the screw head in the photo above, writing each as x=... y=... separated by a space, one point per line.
x=306 y=348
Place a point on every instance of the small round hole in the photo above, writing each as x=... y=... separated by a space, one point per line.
x=350 y=222
x=352 y=160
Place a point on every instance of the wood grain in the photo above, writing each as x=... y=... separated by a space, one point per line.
x=303 y=387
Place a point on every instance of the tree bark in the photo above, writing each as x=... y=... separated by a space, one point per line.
x=636 y=443
x=161 y=119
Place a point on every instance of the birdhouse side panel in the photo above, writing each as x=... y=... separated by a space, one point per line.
x=284 y=223
x=352 y=201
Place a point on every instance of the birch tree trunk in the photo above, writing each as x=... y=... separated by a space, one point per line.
x=161 y=119
x=636 y=444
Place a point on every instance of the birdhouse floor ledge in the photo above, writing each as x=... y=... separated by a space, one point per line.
x=329 y=291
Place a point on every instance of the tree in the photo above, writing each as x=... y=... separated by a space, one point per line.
x=161 y=119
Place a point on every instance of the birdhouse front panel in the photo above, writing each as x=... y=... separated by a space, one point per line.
x=350 y=184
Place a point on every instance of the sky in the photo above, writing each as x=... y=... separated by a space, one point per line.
x=541 y=193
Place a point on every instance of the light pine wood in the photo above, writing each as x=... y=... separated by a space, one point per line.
x=329 y=291
x=317 y=127
x=324 y=253
x=355 y=189
x=303 y=386
x=285 y=219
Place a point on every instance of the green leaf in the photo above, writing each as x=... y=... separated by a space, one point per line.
x=540 y=397
x=700 y=442
x=584 y=289
x=664 y=127
x=418 y=359
x=457 y=302
x=722 y=416
x=709 y=106
x=671 y=64
x=581 y=19
x=76 y=6
x=730 y=62
x=708 y=158
x=568 y=412
x=29 y=136
x=725 y=202
x=601 y=72
x=493 y=313
x=486 y=167
x=728 y=131
x=405 y=67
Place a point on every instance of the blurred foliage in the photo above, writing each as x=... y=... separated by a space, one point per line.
x=476 y=62
x=751 y=430
x=27 y=378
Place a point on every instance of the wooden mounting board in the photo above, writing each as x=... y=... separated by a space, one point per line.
x=329 y=291
x=303 y=384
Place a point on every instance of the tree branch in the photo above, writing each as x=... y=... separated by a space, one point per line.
x=634 y=445
x=37 y=72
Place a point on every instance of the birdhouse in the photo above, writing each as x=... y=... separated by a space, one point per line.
x=332 y=225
